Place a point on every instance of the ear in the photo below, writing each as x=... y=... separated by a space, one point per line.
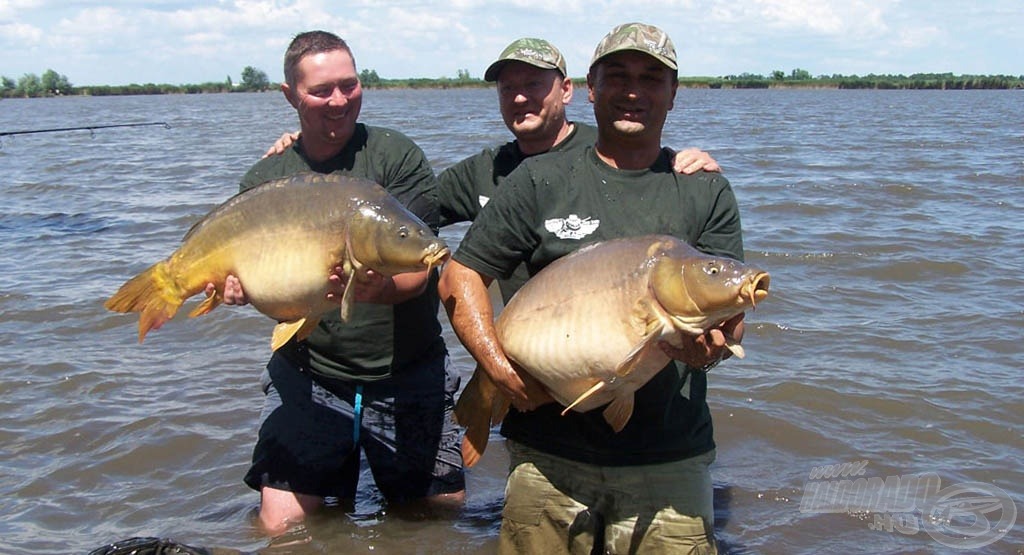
x=289 y=95
x=590 y=87
x=566 y=90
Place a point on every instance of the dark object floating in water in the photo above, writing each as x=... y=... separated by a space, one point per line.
x=149 y=546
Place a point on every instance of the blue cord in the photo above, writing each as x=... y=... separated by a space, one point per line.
x=357 y=416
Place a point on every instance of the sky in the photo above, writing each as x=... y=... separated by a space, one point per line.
x=118 y=42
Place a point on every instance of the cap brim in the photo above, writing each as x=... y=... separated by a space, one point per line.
x=671 y=64
x=495 y=69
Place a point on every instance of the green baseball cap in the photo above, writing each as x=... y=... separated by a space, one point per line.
x=639 y=37
x=536 y=52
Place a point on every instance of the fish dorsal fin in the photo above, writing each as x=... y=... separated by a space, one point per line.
x=284 y=331
x=618 y=412
x=211 y=302
x=586 y=394
x=639 y=351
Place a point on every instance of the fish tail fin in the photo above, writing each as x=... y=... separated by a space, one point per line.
x=478 y=408
x=153 y=294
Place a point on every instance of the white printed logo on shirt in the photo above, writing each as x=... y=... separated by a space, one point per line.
x=572 y=227
x=483 y=200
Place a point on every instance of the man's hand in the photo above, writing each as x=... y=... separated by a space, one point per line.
x=233 y=293
x=282 y=144
x=525 y=391
x=691 y=160
x=373 y=287
x=370 y=287
x=709 y=348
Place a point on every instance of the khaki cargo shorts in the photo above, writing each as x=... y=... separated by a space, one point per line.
x=553 y=505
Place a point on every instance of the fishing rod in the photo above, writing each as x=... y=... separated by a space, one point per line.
x=91 y=128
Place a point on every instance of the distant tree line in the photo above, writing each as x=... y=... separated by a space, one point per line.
x=802 y=78
x=54 y=84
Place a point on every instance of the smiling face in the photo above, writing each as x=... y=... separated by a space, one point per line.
x=327 y=95
x=532 y=101
x=632 y=94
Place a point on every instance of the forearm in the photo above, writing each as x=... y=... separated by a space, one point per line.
x=464 y=294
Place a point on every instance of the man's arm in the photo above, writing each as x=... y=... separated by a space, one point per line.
x=464 y=294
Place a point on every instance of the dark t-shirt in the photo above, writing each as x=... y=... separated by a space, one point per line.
x=552 y=205
x=378 y=337
x=466 y=187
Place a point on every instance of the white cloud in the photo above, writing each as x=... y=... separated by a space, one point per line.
x=188 y=41
x=20 y=32
x=829 y=17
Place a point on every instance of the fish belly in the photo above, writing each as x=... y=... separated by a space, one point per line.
x=571 y=350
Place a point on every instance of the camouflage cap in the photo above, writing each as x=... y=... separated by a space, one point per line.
x=536 y=52
x=641 y=38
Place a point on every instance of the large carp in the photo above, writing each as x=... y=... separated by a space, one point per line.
x=282 y=240
x=588 y=325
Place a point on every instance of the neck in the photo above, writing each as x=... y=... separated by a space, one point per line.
x=538 y=146
x=320 y=152
x=625 y=155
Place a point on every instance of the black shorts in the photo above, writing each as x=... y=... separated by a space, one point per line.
x=309 y=443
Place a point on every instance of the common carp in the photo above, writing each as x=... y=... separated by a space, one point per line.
x=282 y=239
x=587 y=326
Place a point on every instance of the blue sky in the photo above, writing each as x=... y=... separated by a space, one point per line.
x=118 y=42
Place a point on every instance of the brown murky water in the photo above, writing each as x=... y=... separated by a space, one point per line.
x=891 y=221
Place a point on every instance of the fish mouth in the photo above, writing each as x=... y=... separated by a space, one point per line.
x=437 y=257
x=756 y=289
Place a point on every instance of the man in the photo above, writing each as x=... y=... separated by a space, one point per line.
x=575 y=484
x=533 y=91
x=380 y=383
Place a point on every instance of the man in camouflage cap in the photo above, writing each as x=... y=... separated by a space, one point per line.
x=535 y=52
x=576 y=485
x=533 y=92
x=641 y=38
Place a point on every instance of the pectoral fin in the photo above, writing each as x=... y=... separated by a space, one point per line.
x=348 y=266
x=586 y=394
x=641 y=350
x=735 y=347
x=480 y=406
x=618 y=412
x=348 y=298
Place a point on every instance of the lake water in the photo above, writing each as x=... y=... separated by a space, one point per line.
x=892 y=223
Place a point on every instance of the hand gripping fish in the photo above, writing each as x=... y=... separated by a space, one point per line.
x=282 y=240
x=588 y=325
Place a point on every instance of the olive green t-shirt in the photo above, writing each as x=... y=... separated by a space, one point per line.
x=466 y=187
x=552 y=205
x=378 y=337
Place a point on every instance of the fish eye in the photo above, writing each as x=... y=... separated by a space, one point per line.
x=403 y=232
x=713 y=269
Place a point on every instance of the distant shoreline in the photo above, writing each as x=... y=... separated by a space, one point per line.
x=920 y=81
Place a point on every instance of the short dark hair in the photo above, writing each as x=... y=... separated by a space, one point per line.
x=311 y=42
